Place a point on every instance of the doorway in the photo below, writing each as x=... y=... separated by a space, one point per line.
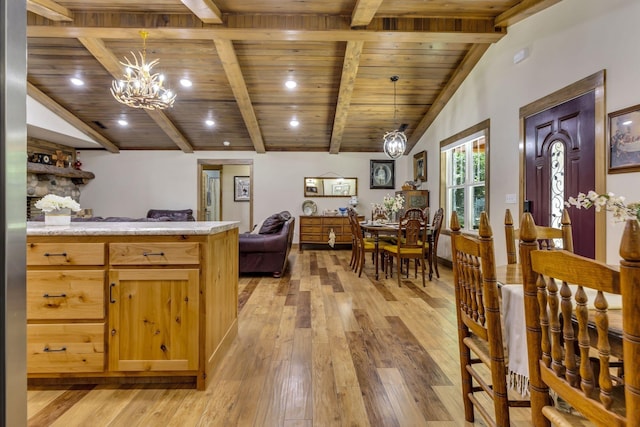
x=216 y=187
x=562 y=152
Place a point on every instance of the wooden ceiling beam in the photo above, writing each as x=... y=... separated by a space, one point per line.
x=206 y=10
x=50 y=10
x=522 y=10
x=65 y=114
x=461 y=73
x=109 y=61
x=375 y=33
x=347 y=82
x=364 y=12
x=229 y=59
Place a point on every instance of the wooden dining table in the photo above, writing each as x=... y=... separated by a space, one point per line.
x=391 y=229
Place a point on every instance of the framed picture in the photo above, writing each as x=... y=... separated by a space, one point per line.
x=241 y=189
x=624 y=140
x=420 y=166
x=382 y=174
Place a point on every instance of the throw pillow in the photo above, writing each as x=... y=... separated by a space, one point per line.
x=274 y=223
x=257 y=228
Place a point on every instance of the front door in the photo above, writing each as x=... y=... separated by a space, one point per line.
x=560 y=162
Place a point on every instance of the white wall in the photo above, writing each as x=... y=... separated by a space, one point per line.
x=232 y=210
x=566 y=42
x=131 y=182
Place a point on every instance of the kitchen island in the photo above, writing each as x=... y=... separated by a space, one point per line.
x=130 y=302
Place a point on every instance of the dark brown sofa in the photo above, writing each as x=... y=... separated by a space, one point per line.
x=267 y=251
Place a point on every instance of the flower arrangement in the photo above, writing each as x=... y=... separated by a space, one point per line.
x=390 y=204
x=609 y=202
x=52 y=202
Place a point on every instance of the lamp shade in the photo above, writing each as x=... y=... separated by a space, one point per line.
x=395 y=142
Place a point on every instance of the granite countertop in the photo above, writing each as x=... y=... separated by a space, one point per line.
x=131 y=228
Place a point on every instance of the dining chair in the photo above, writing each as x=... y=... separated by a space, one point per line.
x=353 y=220
x=410 y=243
x=547 y=236
x=432 y=246
x=479 y=326
x=569 y=303
x=364 y=246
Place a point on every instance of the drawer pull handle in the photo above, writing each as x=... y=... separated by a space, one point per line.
x=54 y=296
x=153 y=253
x=60 y=254
x=51 y=350
x=111 y=300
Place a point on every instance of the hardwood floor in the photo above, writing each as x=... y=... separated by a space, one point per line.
x=317 y=347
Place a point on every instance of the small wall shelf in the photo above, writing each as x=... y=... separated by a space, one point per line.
x=74 y=174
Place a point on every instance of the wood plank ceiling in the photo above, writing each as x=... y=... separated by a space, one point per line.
x=239 y=54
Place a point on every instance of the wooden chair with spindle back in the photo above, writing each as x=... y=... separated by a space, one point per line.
x=479 y=325
x=560 y=285
x=411 y=242
x=546 y=236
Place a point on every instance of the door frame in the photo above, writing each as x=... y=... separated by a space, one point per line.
x=209 y=164
x=595 y=83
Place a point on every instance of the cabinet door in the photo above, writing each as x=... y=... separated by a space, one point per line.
x=153 y=320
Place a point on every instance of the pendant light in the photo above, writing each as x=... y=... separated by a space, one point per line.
x=394 y=142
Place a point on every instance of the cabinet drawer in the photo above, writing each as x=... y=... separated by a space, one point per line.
x=154 y=253
x=343 y=238
x=334 y=221
x=65 y=348
x=65 y=254
x=312 y=238
x=65 y=294
x=310 y=221
x=311 y=229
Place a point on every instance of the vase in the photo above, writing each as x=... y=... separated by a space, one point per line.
x=58 y=217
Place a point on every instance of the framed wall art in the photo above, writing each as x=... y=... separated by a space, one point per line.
x=624 y=140
x=420 y=166
x=241 y=189
x=382 y=174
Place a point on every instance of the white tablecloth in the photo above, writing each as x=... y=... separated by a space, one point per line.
x=515 y=331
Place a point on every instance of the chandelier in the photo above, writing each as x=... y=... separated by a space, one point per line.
x=395 y=141
x=139 y=88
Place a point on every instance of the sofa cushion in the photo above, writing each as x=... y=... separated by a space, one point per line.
x=171 y=215
x=274 y=223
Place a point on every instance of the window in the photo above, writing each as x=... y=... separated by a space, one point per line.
x=464 y=186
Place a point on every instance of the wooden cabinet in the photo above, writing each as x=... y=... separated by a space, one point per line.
x=414 y=199
x=316 y=229
x=124 y=307
x=153 y=320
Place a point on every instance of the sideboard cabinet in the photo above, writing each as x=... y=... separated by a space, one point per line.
x=315 y=229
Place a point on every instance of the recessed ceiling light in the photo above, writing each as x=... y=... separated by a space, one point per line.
x=186 y=82
x=209 y=122
x=291 y=84
x=294 y=123
x=226 y=143
x=122 y=122
x=76 y=81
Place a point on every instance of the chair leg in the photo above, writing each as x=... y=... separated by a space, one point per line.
x=424 y=285
x=399 y=270
x=361 y=262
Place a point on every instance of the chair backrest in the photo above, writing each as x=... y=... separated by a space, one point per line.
x=436 y=227
x=477 y=301
x=547 y=236
x=560 y=285
x=412 y=229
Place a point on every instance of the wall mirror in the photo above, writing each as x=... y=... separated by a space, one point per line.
x=330 y=187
